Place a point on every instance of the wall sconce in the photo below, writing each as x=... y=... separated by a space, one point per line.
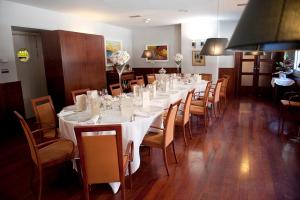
x=194 y=44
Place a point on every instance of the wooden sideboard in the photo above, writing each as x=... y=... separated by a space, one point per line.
x=72 y=61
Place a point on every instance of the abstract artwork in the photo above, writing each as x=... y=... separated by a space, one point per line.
x=161 y=52
x=197 y=59
x=111 y=47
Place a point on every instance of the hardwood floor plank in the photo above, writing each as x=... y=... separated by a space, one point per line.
x=240 y=157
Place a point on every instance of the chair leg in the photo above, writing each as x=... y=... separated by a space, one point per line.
x=40 y=184
x=214 y=109
x=184 y=137
x=123 y=187
x=219 y=108
x=165 y=160
x=86 y=191
x=190 y=130
x=173 y=146
x=130 y=175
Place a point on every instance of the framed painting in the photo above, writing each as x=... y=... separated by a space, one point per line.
x=161 y=52
x=197 y=59
x=111 y=46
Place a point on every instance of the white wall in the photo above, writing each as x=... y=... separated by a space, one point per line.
x=201 y=30
x=14 y=14
x=156 y=35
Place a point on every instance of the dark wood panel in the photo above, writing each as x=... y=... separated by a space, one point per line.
x=11 y=99
x=232 y=82
x=73 y=61
x=53 y=68
x=145 y=71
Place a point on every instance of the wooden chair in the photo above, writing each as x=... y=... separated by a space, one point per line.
x=200 y=109
x=162 y=137
x=45 y=116
x=198 y=98
x=79 y=92
x=46 y=154
x=101 y=156
x=150 y=78
x=184 y=119
x=214 y=99
x=290 y=102
x=132 y=83
x=140 y=80
x=116 y=89
x=207 y=77
x=223 y=92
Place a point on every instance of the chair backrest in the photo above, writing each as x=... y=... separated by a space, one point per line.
x=79 y=92
x=30 y=139
x=116 y=89
x=150 y=78
x=206 y=93
x=217 y=90
x=170 y=122
x=187 y=104
x=225 y=84
x=44 y=111
x=207 y=77
x=101 y=155
x=140 y=80
x=133 y=83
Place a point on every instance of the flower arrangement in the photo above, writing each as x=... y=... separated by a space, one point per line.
x=119 y=60
x=178 y=58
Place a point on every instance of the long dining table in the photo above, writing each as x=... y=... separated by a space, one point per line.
x=134 y=128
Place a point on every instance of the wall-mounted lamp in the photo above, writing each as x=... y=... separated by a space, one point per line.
x=194 y=44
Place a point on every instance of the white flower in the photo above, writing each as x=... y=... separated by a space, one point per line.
x=178 y=57
x=119 y=57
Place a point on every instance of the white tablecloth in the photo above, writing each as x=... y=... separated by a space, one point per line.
x=282 y=81
x=132 y=130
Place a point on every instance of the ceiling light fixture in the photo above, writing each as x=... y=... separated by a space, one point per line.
x=215 y=46
x=268 y=26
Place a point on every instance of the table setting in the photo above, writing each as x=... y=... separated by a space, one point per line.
x=135 y=111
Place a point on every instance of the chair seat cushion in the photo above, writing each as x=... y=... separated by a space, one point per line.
x=155 y=139
x=57 y=152
x=290 y=103
x=197 y=110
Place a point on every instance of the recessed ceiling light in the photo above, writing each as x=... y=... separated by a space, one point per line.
x=183 y=10
x=241 y=4
x=147 y=20
x=135 y=16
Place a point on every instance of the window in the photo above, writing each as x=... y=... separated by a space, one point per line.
x=297 y=60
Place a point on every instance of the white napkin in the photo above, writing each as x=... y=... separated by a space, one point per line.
x=146 y=98
x=81 y=102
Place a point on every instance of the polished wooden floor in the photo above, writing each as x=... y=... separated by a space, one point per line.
x=240 y=157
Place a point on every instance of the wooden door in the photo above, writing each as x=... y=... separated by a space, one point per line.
x=254 y=74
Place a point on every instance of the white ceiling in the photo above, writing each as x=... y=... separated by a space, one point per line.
x=161 y=12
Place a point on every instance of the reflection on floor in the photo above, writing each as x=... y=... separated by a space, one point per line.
x=240 y=157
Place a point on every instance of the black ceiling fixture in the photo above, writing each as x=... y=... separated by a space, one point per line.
x=268 y=25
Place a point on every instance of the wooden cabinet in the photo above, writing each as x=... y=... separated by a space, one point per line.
x=72 y=61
